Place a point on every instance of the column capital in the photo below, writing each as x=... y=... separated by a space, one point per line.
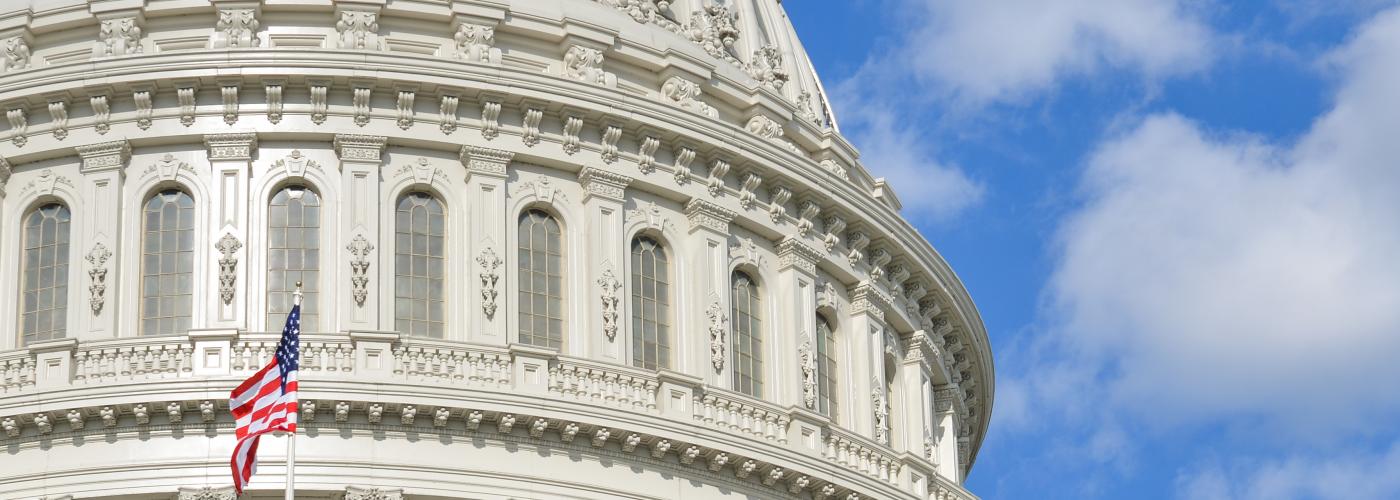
x=485 y=161
x=793 y=252
x=234 y=146
x=101 y=157
x=945 y=397
x=360 y=148
x=603 y=184
x=704 y=214
x=868 y=298
x=919 y=348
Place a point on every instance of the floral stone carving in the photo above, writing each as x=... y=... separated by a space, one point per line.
x=97 y=258
x=718 y=321
x=490 y=274
x=228 y=266
x=610 y=285
x=359 y=268
x=809 y=372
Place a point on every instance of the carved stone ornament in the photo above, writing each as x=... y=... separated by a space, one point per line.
x=808 y=362
x=118 y=37
x=610 y=285
x=490 y=273
x=358 y=30
x=359 y=248
x=585 y=64
x=207 y=493
x=358 y=493
x=16 y=54
x=295 y=164
x=235 y=28
x=142 y=97
x=805 y=109
x=97 y=275
x=715 y=29
x=447 y=114
x=167 y=167
x=766 y=66
x=58 y=112
x=718 y=325
x=101 y=113
x=228 y=266
x=359 y=104
x=476 y=43
x=19 y=125
x=403 y=107
x=882 y=413
x=685 y=94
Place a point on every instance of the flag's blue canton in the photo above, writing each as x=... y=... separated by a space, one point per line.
x=289 y=349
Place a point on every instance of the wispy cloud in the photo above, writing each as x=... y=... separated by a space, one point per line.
x=1218 y=279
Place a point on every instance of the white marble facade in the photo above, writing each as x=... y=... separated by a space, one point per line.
x=554 y=249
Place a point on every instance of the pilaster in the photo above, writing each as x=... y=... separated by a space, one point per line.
x=946 y=432
x=487 y=243
x=707 y=259
x=607 y=248
x=230 y=161
x=359 y=222
x=916 y=374
x=866 y=347
x=104 y=172
x=797 y=306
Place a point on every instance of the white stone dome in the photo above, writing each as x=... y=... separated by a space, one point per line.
x=549 y=248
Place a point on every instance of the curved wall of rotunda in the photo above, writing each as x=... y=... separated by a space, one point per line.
x=549 y=249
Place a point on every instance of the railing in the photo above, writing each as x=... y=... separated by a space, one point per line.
x=454 y=364
x=17 y=371
x=860 y=454
x=437 y=361
x=611 y=385
x=741 y=414
x=132 y=360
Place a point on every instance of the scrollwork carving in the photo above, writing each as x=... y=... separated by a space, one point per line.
x=490 y=273
x=359 y=249
x=235 y=28
x=228 y=266
x=476 y=43
x=16 y=54
x=808 y=362
x=97 y=276
x=610 y=285
x=718 y=327
x=358 y=30
x=118 y=37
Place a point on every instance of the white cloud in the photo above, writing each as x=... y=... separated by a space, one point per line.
x=982 y=51
x=928 y=188
x=1222 y=278
x=1360 y=475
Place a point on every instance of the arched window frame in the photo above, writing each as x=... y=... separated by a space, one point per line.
x=315 y=300
x=392 y=297
x=163 y=311
x=565 y=256
x=663 y=311
x=747 y=333
x=63 y=285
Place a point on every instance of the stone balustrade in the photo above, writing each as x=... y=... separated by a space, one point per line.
x=199 y=364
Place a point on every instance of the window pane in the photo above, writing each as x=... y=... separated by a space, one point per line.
x=650 y=309
x=419 y=266
x=43 y=305
x=167 y=263
x=541 y=275
x=746 y=322
x=293 y=215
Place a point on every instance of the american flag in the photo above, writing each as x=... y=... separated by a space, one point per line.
x=267 y=401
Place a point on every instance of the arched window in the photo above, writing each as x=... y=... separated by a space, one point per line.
x=541 y=256
x=293 y=254
x=167 y=263
x=43 y=306
x=747 y=335
x=826 y=368
x=651 y=305
x=419 y=247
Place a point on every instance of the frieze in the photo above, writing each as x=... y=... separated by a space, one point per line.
x=480 y=160
x=104 y=156
x=234 y=146
x=362 y=148
x=793 y=252
x=598 y=182
x=703 y=214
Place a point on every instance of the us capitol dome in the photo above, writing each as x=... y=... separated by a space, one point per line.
x=550 y=249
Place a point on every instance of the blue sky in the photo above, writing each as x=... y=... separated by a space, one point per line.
x=1179 y=218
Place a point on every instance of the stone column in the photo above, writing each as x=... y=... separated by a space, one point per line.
x=916 y=372
x=486 y=244
x=945 y=401
x=708 y=288
x=230 y=161
x=605 y=336
x=796 y=342
x=866 y=347
x=359 y=223
x=99 y=239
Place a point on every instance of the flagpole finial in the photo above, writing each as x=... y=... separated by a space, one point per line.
x=296 y=295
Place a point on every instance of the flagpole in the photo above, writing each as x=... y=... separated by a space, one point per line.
x=292 y=436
